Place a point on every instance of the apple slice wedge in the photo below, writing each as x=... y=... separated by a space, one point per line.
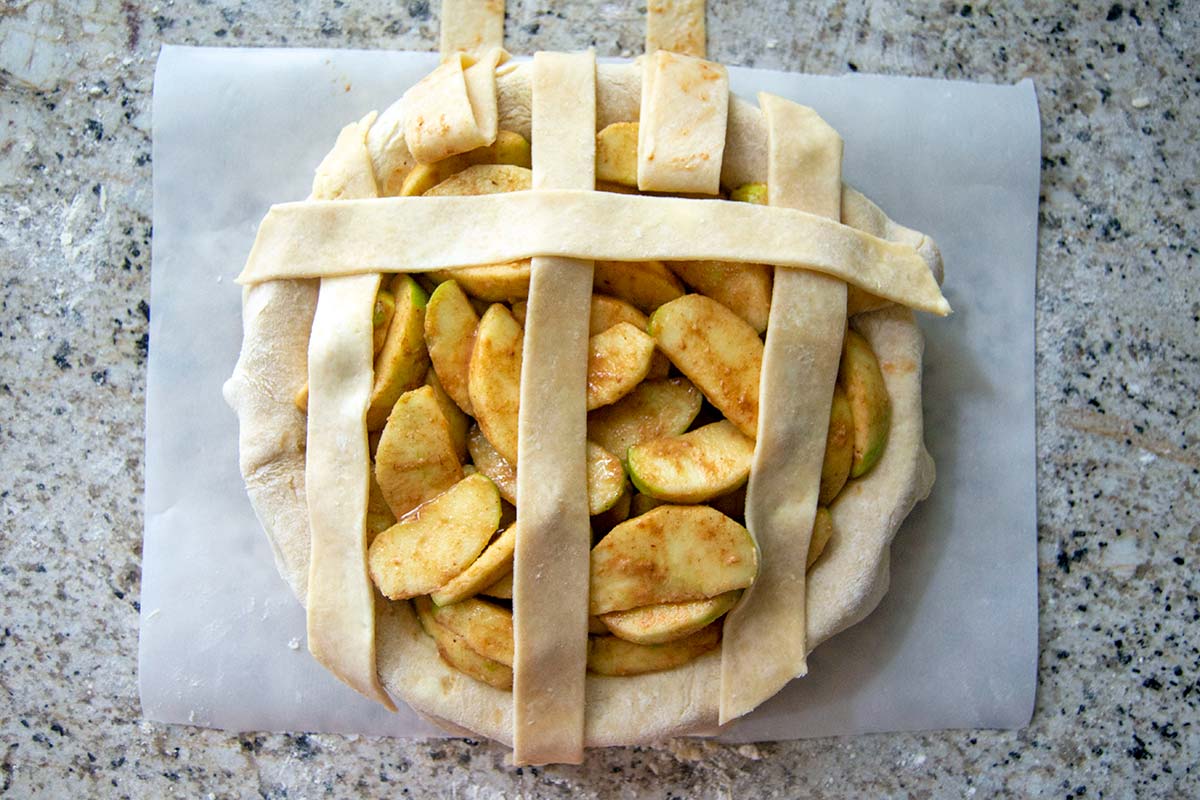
x=455 y=652
x=436 y=541
x=694 y=467
x=718 y=350
x=494 y=378
x=618 y=360
x=668 y=555
x=870 y=405
x=403 y=359
x=745 y=289
x=609 y=655
x=450 y=323
x=667 y=622
x=416 y=460
x=653 y=410
x=645 y=284
x=485 y=627
x=493 y=564
x=839 y=447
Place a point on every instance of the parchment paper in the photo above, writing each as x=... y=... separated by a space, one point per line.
x=954 y=643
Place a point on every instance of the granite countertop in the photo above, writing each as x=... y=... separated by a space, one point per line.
x=1118 y=360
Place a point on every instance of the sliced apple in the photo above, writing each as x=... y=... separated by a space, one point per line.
x=484 y=179
x=693 y=467
x=450 y=323
x=401 y=363
x=458 y=422
x=718 y=350
x=436 y=541
x=645 y=284
x=839 y=447
x=750 y=193
x=416 y=460
x=494 y=379
x=822 y=532
x=667 y=622
x=381 y=318
x=618 y=360
x=485 y=627
x=608 y=655
x=870 y=405
x=605 y=479
x=493 y=564
x=653 y=410
x=617 y=154
x=509 y=148
x=501 y=589
x=492 y=464
x=745 y=289
x=493 y=283
x=455 y=652
x=671 y=554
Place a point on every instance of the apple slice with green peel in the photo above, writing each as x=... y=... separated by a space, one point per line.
x=693 y=467
x=494 y=379
x=839 y=447
x=668 y=555
x=436 y=541
x=458 y=422
x=667 y=622
x=494 y=283
x=509 y=148
x=608 y=655
x=501 y=589
x=484 y=179
x=416 y=460
x=402 y=361
x=750 y=193
x=381 y=318
x=493 y=563
x=455 y=652
x=870 y=406
x=745 y=289
x=605 y=475
x=605 y=521
x=450 y=323
x=653 y=410
x=645 y=284
x=618 y=360
x=485 y=627
x=492 y=464
x=718 y=350
x=605 y=479
x=821 y=534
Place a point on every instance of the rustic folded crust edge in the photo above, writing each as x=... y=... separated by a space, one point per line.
x=843 y=587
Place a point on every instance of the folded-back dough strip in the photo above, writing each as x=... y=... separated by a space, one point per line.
x=471 y=26
x=765 y=642
x=417 y=234
x=551 y=562
x=676 y=25
x=341 y=598
x=681 y=137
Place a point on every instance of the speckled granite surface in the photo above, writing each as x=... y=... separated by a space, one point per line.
x=1118 y=312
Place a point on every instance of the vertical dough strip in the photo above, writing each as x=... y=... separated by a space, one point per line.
x=551 y=562
x=471 y=26
x=765 y=645
x=341 y=598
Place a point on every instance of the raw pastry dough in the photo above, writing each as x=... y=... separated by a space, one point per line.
x=550 y=576
x=418 y=234
x=676 y=25
x=681 y=136
x=471 y=26
x=765 y=633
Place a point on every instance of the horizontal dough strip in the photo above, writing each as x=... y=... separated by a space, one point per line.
x=415 y=234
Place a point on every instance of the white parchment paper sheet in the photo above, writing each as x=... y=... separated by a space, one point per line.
x=954 y=643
